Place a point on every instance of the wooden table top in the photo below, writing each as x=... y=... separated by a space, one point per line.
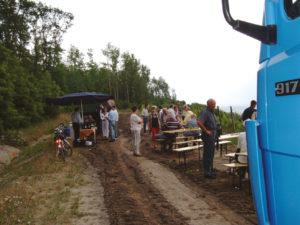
x=236 y=165
x=180 y=130
x=229 y=136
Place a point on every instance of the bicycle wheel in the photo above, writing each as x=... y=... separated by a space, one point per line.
x=68 y=148
x=62 y=155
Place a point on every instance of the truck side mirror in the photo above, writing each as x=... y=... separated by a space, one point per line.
x=265 y=34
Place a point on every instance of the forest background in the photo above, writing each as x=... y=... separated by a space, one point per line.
x=32 y=68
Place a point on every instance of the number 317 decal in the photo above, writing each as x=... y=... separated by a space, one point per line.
x=290 y=87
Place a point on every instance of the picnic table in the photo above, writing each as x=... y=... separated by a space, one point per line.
x=183 y=144
x=224 y=139
x=229 y=136
x=235 y=167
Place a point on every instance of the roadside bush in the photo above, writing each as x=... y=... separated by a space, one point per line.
x=12 y=138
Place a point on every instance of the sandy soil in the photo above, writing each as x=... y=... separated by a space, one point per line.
x=91 y=207
x=154 y=189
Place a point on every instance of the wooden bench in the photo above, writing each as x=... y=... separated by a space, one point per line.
x=192 y=141
x=182 y=138
x=236 y=168
x=230 y=156
x=162 y=143
x=223 y=144
x=182 y=151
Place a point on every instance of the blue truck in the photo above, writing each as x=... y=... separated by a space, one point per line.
x=273 y=139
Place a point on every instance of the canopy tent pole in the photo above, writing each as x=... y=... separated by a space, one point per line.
x=81 y=109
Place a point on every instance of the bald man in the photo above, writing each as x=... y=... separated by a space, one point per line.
x=208 y=124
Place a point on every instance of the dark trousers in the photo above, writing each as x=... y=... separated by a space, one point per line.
x=76 y=128
x=117 y=129
x=208 y=154
x=145 y=120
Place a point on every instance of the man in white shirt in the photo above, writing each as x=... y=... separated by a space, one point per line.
x=145 y=115
x=171 y=112
x=76 y=122
x=136 y=126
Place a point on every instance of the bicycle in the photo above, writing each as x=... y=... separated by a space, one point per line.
x=63 y=147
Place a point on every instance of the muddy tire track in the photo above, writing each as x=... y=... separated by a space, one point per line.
x=129 y=197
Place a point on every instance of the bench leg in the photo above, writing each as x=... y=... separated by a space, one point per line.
x=184 y=157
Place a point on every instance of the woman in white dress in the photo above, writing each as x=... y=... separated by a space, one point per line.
x=105 y=123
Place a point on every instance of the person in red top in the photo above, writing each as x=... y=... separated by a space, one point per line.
x=154 y=126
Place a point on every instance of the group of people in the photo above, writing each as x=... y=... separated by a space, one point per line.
x=108 y=123
x=155 y=119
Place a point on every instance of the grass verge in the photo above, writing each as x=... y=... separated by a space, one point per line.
x=40 y=191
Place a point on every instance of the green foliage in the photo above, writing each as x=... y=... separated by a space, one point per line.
x=22 y=93
x=31 y=69
x=13 y=138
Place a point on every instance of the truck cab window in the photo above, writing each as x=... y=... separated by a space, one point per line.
x=292 y=8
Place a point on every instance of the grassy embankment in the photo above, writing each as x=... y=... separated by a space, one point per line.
x=39 y=191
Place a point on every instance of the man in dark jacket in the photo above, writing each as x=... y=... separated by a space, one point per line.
x=249 y=113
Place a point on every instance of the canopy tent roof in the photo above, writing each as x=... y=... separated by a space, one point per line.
x=80 y=98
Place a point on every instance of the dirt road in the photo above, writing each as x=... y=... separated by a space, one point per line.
x=139 y=190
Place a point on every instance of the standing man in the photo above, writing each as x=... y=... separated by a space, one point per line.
x=208 y=124
x=112 y=117
x=76 y=121
x=145 y=115
x=250 y=112
x=136 y=126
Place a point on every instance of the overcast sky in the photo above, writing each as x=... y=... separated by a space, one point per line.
x=187 y=42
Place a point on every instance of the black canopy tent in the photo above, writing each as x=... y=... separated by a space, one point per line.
x=80 y=98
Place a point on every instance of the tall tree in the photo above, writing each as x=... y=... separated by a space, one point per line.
x=112 y=54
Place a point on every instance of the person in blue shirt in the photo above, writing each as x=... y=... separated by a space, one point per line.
x=192 y=123
x=208 y=124
x=112 y=118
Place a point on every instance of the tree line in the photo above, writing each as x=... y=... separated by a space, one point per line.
x=32 y=67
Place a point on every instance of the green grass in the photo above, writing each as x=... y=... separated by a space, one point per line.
x=34 y=132
x=36 y=187
x=41 y=187
x=16 y=207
